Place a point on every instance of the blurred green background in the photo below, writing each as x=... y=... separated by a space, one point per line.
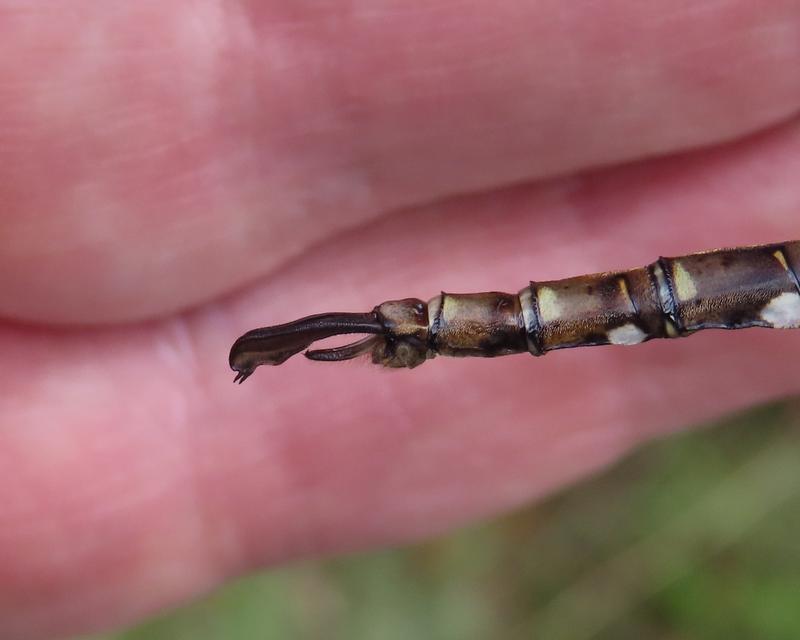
x=697 y=536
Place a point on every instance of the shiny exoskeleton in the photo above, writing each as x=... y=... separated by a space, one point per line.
x=670 y=298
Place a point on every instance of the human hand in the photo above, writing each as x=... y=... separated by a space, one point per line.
x=175 y=173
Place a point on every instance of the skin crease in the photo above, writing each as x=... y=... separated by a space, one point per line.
x=184 y=172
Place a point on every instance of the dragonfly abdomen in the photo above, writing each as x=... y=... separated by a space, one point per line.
x=670 y=298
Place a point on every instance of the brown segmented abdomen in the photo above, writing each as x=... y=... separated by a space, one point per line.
x=672 y=297
x=725 y=289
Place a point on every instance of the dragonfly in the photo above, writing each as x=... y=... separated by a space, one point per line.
x=734 y=288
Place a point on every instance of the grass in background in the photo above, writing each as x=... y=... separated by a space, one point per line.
x=697 y=536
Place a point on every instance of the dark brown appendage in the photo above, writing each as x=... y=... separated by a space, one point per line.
x=274 y=345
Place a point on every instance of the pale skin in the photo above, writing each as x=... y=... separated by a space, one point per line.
x=173 y=174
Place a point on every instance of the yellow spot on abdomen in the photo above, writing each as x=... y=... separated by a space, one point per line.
x=685 y=288
x=549 y=307
x=623 y=287
x=671 y=329
x=781 y=258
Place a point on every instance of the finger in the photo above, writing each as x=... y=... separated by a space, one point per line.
x=133 y=474
x=180 y=149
